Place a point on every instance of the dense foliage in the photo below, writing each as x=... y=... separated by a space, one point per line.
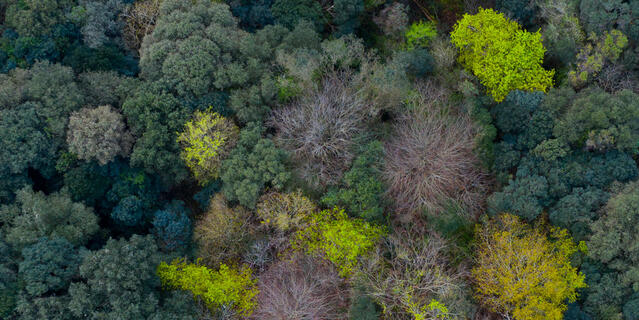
x=319 y=159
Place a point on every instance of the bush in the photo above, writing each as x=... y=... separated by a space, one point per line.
x=284 y=211
x=222 y=234
x=420 y=34
x=99 y=134
x=430 y=158
x=319 y=131
x=207 y=140
x=300 y=288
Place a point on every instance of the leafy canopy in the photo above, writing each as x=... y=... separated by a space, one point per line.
x=502 y=55
x=338 y=238
x=524 y=272
x=227 y=286
x=206 y=140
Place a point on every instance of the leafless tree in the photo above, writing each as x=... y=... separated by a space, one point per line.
x=301 y=288
x=430 y=159
x=319 y=130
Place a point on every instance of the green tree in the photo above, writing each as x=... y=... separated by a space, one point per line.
x=524 y=272
x=119 y=282
x=35 y=215
x=49 y=265
x=502 y=55
x=224 y=287
x=600 y=121
x=207 y=140
x=290 y=12
x=337 y=238
x=362 y=190
x=254 y=163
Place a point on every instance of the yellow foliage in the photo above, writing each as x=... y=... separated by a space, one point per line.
x=501 y=54
x=227 y=286
x=284 y=211
x=525 y=272
x=206 y=141
x=338 y=238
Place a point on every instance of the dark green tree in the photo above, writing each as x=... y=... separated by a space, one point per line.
x=254 y=164
x=290 y=12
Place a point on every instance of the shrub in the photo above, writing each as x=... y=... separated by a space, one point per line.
x=420 y=34
x=430 y=158
x=525 y=272
x=224 y=287
x=500 y=54
x=339 y=239
x=206 y=140
x=284 y=211
x=300 y=288
x=319 y=130
x=592 y=59
x=223 y=233
x=99 y=134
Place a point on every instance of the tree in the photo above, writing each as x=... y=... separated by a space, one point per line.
x=207 y=140
x=119 y=282
x=284 y=211
x=412 y=268
x=99 y=134
x=290 y=12
x=172 y=226
x=8 y=279
x=228 y=287
x=35 y=215
x=419 y=34
x=49 y=265
x=346 y=15
x=35 y=18
x=615 y=233
x=129 y=212
x=253 y=14
x=139 y=21
x=302 y=287
x=334 y=236
x=600 y=121
x=600 y=16
x=222 y=234
x=501 y=54
x=254 y=163
x=100 y=23
x=430 y=159
x=524 y=272
x=320 y=130
x=362 y=189
x=592 y=59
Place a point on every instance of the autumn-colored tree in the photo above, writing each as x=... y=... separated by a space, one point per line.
x=501 y=54
x=225 y=287
x=206 y=140
x=139 y=21
x=524 y=272
x=338 y=238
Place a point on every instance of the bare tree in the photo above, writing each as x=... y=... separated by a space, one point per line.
x=301 y=288
x=319 y=130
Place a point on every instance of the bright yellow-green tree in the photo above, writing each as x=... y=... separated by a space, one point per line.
x=501 y=54
x=206 y=140
x=338 y=238
x=524 y=272
x=224 y=287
